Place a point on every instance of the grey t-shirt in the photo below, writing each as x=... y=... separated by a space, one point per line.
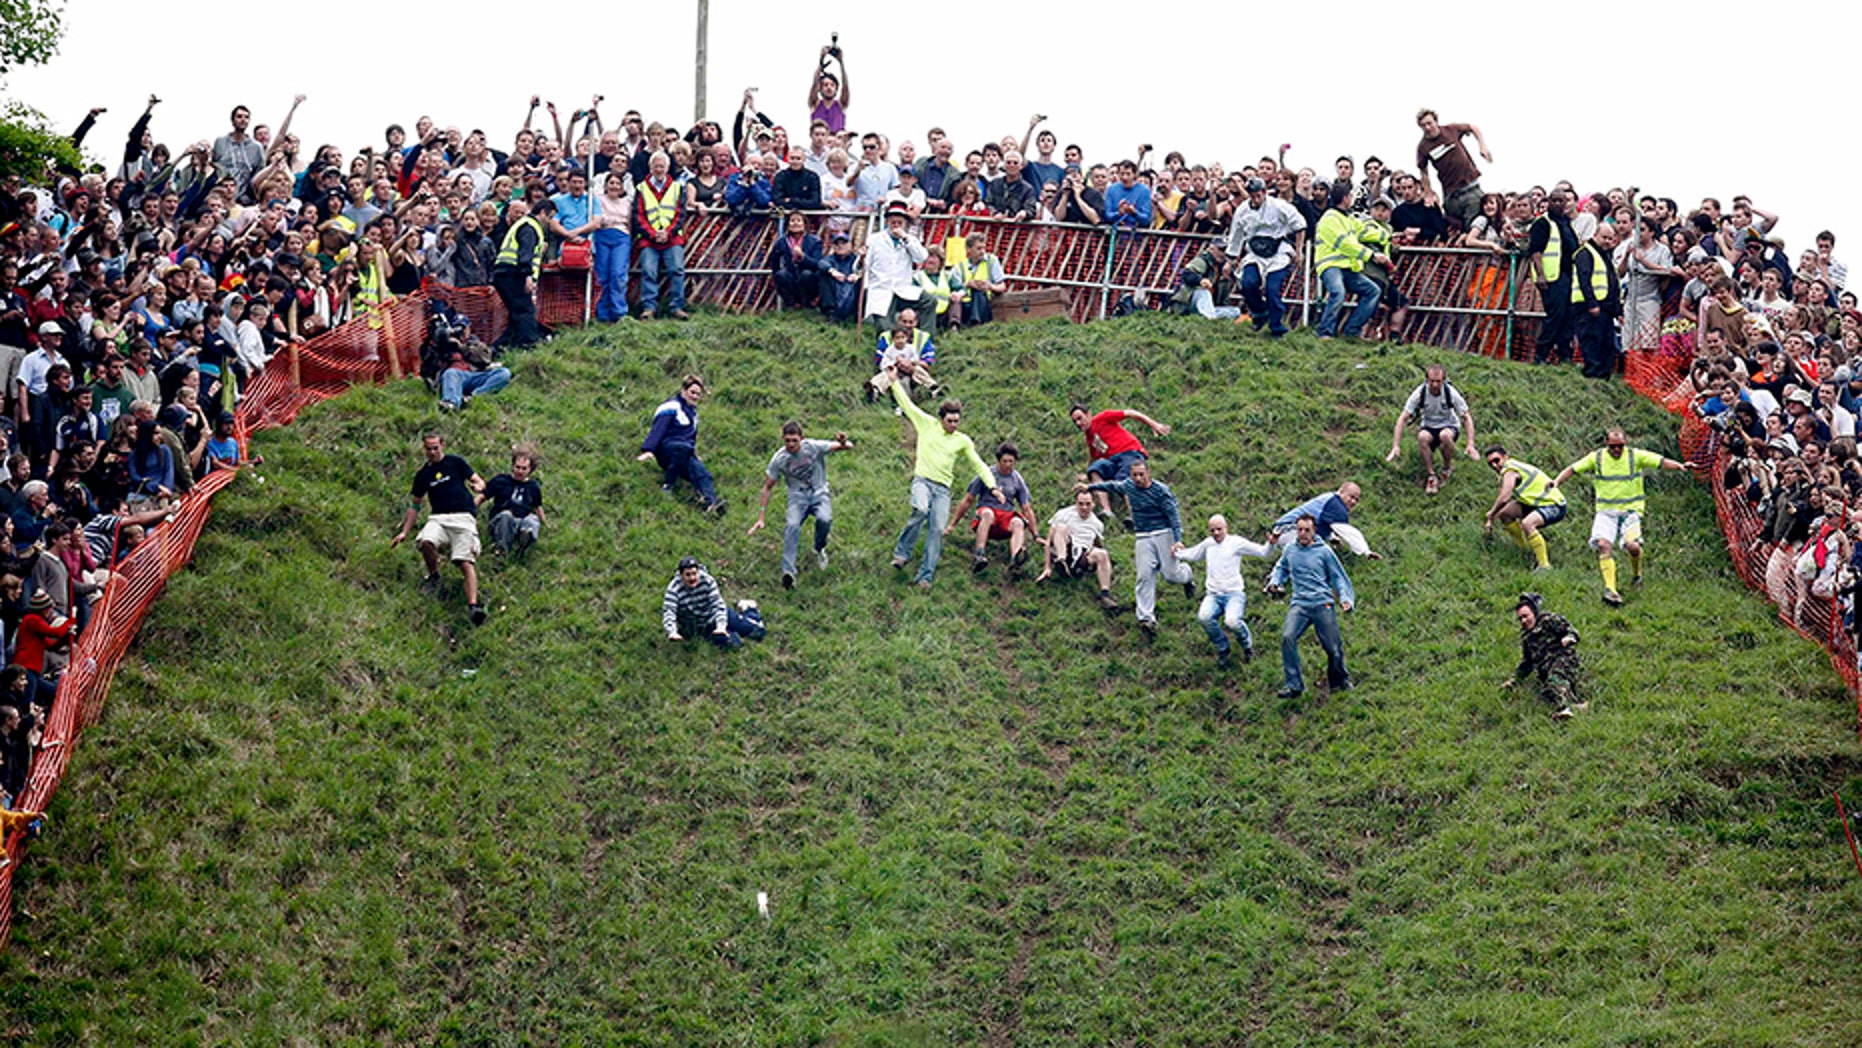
x=1014 y=490
x=1436 y=412
x=806 y=471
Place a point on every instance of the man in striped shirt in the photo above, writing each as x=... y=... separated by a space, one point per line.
x=693 y=604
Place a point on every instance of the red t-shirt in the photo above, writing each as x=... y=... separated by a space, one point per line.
x=1106 y=438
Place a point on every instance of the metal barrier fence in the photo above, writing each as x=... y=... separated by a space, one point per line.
x=1461 y=299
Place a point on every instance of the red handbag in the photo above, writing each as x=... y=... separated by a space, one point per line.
x=576 y=254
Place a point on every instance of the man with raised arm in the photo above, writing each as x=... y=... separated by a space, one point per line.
x=940 y=446
x=802 y=463
x=1225 y=595
x=1111 y=450
x=1318 y=582
x=449 y=485
x=1615 y=472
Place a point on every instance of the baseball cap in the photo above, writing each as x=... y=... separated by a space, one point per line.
x=51 y=327
x=687 y=562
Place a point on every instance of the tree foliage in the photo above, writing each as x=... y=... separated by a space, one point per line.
x=28 y=143
x=29 y=32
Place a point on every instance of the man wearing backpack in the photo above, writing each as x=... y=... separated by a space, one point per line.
x=1441 y=415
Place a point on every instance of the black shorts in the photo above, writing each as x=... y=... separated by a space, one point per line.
x=1074 y=567
x=1443 y=437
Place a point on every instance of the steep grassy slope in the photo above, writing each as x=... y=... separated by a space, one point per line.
x=323 y=808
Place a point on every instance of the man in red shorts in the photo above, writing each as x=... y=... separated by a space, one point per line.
x=1010 y=517
x=1111 y=449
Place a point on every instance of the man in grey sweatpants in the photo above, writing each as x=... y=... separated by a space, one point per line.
x=1160 y=535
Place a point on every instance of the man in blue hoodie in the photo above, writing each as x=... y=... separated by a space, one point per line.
x=673 y=444
x=1318 y=580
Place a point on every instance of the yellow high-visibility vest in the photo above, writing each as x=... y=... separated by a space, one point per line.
x=1535 y=488
x=660 y=209
x=507 y=252
x=1599 y=277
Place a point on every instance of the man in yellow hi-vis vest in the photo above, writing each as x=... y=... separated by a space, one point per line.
x=1528 y=501
x=1596 y=302
x=514 y=272
x=659 y=237
x=1549 y=244
x=1616 y=476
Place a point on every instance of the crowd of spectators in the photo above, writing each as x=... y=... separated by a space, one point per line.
x=135 y=299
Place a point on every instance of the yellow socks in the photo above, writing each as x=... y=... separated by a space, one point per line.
x=1517 y=534
x=1537 y=545
x=1607 y=565
x=1635 y=566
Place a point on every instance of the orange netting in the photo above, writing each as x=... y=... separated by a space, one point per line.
x=1462 y=300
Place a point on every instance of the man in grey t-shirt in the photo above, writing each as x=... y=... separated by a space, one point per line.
x=1441 y=414
x=1010 y=517
x=803 y=464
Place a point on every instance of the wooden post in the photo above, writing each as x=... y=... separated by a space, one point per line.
x=297 y=370
x=387 y=340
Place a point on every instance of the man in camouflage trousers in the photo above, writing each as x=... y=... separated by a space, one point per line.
x=1548 y=647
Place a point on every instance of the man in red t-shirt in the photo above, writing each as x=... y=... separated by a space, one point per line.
x=1111 y=449
x=1461 y=181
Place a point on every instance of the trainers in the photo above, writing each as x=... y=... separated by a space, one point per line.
x=430 y=584
x=1542 y=569
x=646 y=314
x=1020 y=558
x=1432 y=485
x=447 y=405
x=1130 y=525
x=898 y=563
x=478 y=614
x=1189 y=590
x=788 y=580
x=1149 y=628
x=1564 y=713
x=1286 y=693
x=717 y=507
x=978 y=561
x=925 y=585
x=525 y=540
x=1221 y=660
x=680 y=314
x=1579 y=707
x=1613 y=598
x=1247 y=654
x=821 y=557
x=1108 y=604
x=1636 y=582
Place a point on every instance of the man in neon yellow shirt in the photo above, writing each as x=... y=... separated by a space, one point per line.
x=1528 y=501
x=1616 y=477
x=939 y=448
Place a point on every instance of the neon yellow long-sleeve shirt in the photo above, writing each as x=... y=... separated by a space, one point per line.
x=938 y=451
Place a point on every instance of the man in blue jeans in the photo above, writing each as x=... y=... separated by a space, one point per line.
x=1265 y=237
x=1317 y=578
x=940 y=449
x=1339 y=256
x=1225 y=592
x=673 y=444
x=659 y=236
x=803 y=464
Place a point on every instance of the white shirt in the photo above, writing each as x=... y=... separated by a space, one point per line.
x=1224 y=560
x=251 y=347
x=1083 y=533
x=33 y=369
x=1274 y=218
x=890 y=262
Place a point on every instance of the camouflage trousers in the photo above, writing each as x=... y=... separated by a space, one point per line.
x=1559 y=684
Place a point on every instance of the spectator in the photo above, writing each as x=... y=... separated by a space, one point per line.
x=891 y=259
x=1340 y=259
x=1204 y=281
x=1417 y=220
x=748 y=190
x=516 y=503
x=1080 y=203
x=1549 y=247
x=981 y=278
x=694 y=605
x=515 y=271
x=797 y=188
x=1128 y=202
x=795 y=261
x=839 y=282
x=830 y=95
x=659 y=221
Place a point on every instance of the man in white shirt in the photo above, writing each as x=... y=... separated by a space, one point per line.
x=891 y=259
x=876 y=175
x=1225 y=594
x=1075 y=544
x=1265 y=237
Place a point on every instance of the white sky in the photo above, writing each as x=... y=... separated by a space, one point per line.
x=1110 y=75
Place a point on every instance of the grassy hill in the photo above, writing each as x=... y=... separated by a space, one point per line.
x=323 y=808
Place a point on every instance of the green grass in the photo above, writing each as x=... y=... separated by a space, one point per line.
x=321 y=808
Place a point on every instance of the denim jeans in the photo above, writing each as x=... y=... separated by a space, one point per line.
x=506 y=527
x=801 y=507
x=930 y=506
x=1265 y=305
x=737 y=627
x=680 y=462
x=1204 y=304
x=652 y=259
x=1323 y=619
x=1225 y=609
x=456 y=385
x=611 y=256
x=1337 y=281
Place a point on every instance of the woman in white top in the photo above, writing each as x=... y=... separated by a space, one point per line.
x=614 y=213
x=837 y=193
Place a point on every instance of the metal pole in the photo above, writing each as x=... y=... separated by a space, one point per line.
x=1105 y=283
x=1306 y=307
x=698 y=87
x=588 y=280
x=1512 y=279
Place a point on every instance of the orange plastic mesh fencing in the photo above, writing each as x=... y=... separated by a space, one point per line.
x=1465 y=300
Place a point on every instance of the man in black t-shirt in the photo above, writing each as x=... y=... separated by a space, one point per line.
x=516 y=503
x=448 y=483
